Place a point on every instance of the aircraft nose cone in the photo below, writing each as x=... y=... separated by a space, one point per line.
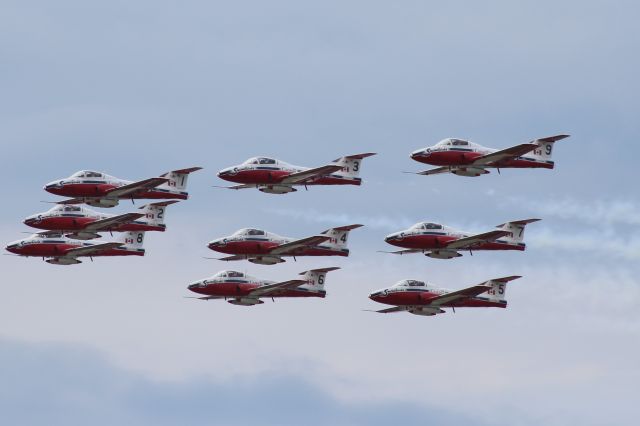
x=390 y=238
x=52 y=186
x=375 y=295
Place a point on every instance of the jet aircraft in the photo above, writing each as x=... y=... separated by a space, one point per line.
x=443 y=242
x=81 y=223
x=57 y=249
x=98 y=189
x=464 y=158
x=265 y=248
x=241 y=289
x=277 y=177
x=421 y=298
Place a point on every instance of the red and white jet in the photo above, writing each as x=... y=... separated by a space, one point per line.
x=464 y=158
x=81 y=223
x=98 y=189
x=277 y=177
x=421 y=298
x=241 y=289
x=61 y=250
x=266 y=248
x=443 y=242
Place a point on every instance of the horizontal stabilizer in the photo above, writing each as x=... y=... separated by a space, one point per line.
x=183 y=171
x=321 y=270
x=343 y=228
x=160 y=204
x=519 y=222
x=505 y=279
x=551 y=138
x=360 y=156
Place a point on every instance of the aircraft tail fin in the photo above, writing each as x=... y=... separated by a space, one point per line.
x=545 y=147
x=351 y=164
x=133 y=240
x=178 y=178
x=316 y=278
x=155 y=212
x=516 y=229
x=339 y=235
x=498 y=288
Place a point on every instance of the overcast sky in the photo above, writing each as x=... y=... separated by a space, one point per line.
x=135 y=89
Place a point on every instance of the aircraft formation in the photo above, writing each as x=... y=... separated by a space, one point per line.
x=69 y=230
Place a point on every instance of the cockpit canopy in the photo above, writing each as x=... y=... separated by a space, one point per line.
x=66 y=209
x=229 y=274
x=426 y=225
x=249 y=231
x=410 y=283
x=47 y=234
x=260 y=160
x=87 y=174
x=453 y=142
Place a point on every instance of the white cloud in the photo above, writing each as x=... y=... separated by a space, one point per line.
x=596 y=211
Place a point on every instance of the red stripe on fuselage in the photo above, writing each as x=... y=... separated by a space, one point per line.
x=422 y=298
x=434 y=242
x=80 y=223
x=51 y=250
x=232 y=290
x=76 y=190
x=265 y=248
x=266 y=177
x=465 y=158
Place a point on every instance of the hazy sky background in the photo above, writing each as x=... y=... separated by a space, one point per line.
x=137 y=89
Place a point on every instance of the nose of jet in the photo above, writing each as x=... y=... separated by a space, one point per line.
x=12 y=247
x=225 y=173
x=420 y=153
x=214 y=244
x=30 y=220
x=375 y=295
x=52 y=186
x=392 y=237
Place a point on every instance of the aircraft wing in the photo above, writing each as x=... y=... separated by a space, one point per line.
x=246 y=186
x=435 y=171
x=205 y=297
x=457 y=295
x=292 y=246
x=401 y=252
x=469 y=242
x=105 y=224
x=234 y=257
x=132 y=188
x=305 y=175
x=92 y=249
x=504 y=154
x=394 y=309
x=269 y=289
